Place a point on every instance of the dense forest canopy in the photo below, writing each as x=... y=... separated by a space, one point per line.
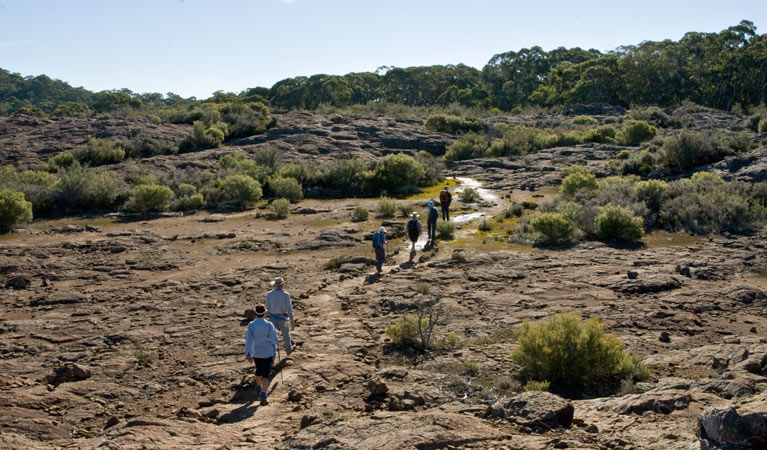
x=721 y=70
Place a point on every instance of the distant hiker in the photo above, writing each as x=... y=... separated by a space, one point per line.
x=431 y=222
x=445 y=197
x=379 y=240
x=281 y=312
x=413 y=231
x=260 y=345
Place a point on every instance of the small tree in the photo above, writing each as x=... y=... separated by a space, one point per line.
x=14 y=209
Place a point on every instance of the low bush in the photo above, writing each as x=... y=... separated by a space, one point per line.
x=617 y=223
x=584 y=120
x=577 y=181
x=406 y=210
x=397 y=174
x=445 y=230
x=635 y=132
x=469 y=195
x=571 y=354
x=146 y=147
x=81 y=188
x=533 y=385
x=203 y=136
x=386 y=208
x=485 y=226
x=301 y=172
x=146 y=198
x=62 y=160
x=762 y=128
x=280 y=208
x=406 y=331
x=359 y=214
x=288 y=188
x=470 y=367
x=553 y=227
x=238 y=190
x=14 y=209
x=39 y=187
x=99 y=152
x=467 y=147
x=445 y=123
x=652 y=192
x=188 y=202
x=655 y=116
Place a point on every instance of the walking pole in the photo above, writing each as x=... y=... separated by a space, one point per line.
x=282 y=380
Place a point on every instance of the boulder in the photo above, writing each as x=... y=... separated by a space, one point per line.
x=535 y=409
x=655 y=283
x=660 y=402
x=743 y=424
x=377 y=387
x=20 y=282
x=68 y=373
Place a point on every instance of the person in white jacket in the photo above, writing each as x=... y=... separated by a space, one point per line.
x=260 y=346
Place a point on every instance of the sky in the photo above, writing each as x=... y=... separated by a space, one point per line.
x=196 y=47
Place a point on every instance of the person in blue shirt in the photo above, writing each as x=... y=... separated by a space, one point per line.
x=379 y=240
x=260 y=346
x=431 y=222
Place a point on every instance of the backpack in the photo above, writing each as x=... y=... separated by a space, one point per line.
x=445 y=197
x=433 y=214
x=412 y=229
x=377 y=240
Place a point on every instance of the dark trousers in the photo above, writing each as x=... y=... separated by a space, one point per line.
x=380 y=257
x=446 y=212
x=431 y=229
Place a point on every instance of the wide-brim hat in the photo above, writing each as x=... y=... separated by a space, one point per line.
x=260 y=310
x=415 y=215
x=278 y=282
x=382 y=230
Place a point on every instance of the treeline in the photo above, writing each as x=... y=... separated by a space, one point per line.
x=723 y=70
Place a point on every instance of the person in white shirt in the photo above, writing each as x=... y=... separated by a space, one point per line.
x=260 y=346
x=281 y=312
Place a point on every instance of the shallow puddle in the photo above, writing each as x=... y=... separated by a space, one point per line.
x=658 y=239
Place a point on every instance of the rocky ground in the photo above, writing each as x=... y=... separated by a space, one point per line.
x=120 y=333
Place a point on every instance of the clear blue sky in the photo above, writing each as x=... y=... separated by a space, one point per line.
x=195 y=47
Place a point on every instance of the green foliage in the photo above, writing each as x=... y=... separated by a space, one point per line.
x=652 y=192
x=301 y=172
x=577 y=181
x=287 y=188
x=445 y=230
x=62 y=160
x=188 y=202
x=422 y=288
x=584 y=120
x=469 y=195
x=655 y=116
x=406 y=210
x=203 y=136
x=146 y=198
x=280 y=208
x=485 y=226
x=434 y=168
x=553 y=226
x=574 y=354
x=533 y=385
x=468 y=146
x=398 y=173
x=386 y=208
x=635 y=132
x=618 y=223
x=238 y=190
x=81 y=188
x=406 y=331
x=71 y=109
x=445 y=123
x=706 y=177
x=99 y=152
x=762 y=128
x=14 y=209
x=38 y=187
x=689 y=149
x=470 y=367
x=359 y=214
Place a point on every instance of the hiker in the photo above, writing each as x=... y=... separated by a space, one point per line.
x=281 y=312
x=413 y=230
x=379 y=240
x=260 y=345
x=445 y=197
x=431 y=222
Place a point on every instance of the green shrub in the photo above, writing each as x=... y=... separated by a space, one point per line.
x=39 y=187
x=574 y=354
x=14 y=209
x=62 y=160
x=359 y=214
x=635 y=132
x=584 y=120
x=301 y=172
x=571 y=211
x=533 y=385
x=445 y=123
x=386 y=208
x=188 y=202
x=146 y=147
x=83 y=188
x=422 y=288
x=399 y=173
x=445 y=230
x=406 y=331
x=577 y=181
x=99 y=152
x=147 y=178
x=763 y=125
x=467 y=147
x=269 y=157
x=288 y=188
x=71 y=109
x=553 y=226
x=617 y=223
x=434 y=168
x=686 y=150
x=485 y=226
x=470 y=367
x=469 y=195
x=185 y=190
x=651 y=192
x=600 y=135
x=655 y=116
x=204 y=135
x=146 y=198
x=406 y=210
x=239 y=190
x=280 y=208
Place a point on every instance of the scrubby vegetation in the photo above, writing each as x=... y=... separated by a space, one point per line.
x=386 y=208
x=359 y=214
x=445 y=230
x=571 y=354
x=280 y=208
x=149 y=198
x=14 y=209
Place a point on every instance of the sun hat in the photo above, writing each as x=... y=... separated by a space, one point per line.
x=415 y=214
x=430 y=204
x=382 y=230
x=260 y=310
x=278 y=282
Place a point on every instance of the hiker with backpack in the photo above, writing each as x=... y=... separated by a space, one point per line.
x=445 y=198
x=281 y=312
x=260 y=346
x=431 y=222
x=379 y=241
x=413 y=231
